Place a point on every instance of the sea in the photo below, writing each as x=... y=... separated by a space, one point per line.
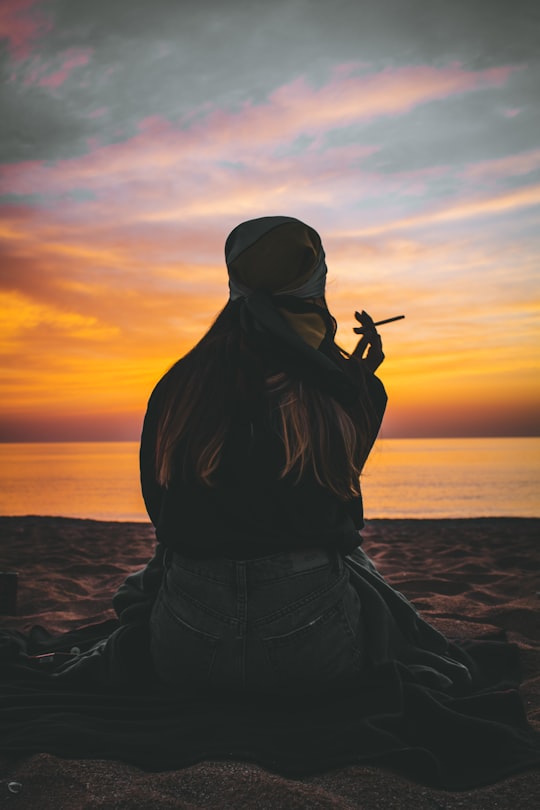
x=403 y=478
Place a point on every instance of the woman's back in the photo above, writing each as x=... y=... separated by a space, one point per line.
x=249 y=510
x=251 y=452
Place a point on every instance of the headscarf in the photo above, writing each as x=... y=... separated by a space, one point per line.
x=274 y=265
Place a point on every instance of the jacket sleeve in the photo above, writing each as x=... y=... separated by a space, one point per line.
x=377 y=394
x=374 y=389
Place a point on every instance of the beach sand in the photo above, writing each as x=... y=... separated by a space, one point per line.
x=467 y=577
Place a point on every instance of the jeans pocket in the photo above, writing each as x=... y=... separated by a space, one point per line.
x=315 y=652
x=182 y=654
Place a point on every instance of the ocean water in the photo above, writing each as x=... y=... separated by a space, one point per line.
x=407 y=478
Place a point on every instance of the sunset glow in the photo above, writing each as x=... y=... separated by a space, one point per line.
x=118 y=187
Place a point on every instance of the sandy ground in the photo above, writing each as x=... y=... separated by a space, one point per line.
x=466 y=576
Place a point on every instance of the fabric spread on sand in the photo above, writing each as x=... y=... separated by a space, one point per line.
x=445 y=714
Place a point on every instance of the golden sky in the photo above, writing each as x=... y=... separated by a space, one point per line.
x=126 y=162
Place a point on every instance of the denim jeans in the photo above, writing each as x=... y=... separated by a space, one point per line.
x=287 y=621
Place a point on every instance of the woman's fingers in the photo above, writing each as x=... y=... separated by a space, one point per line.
x=366 y=322
x=361 y=346
x=375 y=355
x=369 y=347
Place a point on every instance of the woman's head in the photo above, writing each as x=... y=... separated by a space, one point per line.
x=280 y=255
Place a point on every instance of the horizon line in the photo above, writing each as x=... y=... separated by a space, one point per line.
x=379 y=438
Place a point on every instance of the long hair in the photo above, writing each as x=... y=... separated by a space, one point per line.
x=229 y=375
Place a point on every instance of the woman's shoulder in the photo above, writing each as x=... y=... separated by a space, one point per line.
x=168 y=379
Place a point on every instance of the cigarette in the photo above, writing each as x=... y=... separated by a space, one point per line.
x=389 y=320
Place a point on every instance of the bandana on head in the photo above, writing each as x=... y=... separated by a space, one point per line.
x=279 y=255
x=275 y=264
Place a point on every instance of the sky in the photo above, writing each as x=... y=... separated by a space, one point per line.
x=134 y=136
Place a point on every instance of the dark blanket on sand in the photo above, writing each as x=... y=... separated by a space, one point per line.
x=90 y=693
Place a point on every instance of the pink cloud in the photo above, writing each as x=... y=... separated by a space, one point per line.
x=166 y=176
x=97 y=113
x=498 y=203
x=166 y=161
x=509 y=166
x=76 y=58
x=73 y=58
x=297 y=107
x=21 y=23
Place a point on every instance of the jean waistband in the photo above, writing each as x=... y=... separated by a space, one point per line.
x=260 y=569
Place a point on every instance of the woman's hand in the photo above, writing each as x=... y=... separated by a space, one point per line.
x=369 y=347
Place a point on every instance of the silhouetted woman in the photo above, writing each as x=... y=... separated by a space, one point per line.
x=251 y=453
x=259 y=593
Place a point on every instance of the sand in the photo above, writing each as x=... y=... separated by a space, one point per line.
x=467 y=577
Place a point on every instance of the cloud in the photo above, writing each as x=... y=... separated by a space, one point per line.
x=39 y=71
x=500 y=203
x=167 y=58
x=509 y=166
x=20 y=315
x=22 y=22
x=187 y=152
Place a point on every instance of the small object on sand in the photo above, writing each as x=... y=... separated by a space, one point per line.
x=14 y=787
x=8 y=593
x=44 y=658
x=50 y=658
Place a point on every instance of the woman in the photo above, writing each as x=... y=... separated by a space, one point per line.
x=251 y=453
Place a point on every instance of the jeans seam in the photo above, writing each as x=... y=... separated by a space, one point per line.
x=203 y=633
x=305 y=600
x=294 y=575
x=215 y=614
x=333 y=610
x=242 y=616
x=206 y=577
